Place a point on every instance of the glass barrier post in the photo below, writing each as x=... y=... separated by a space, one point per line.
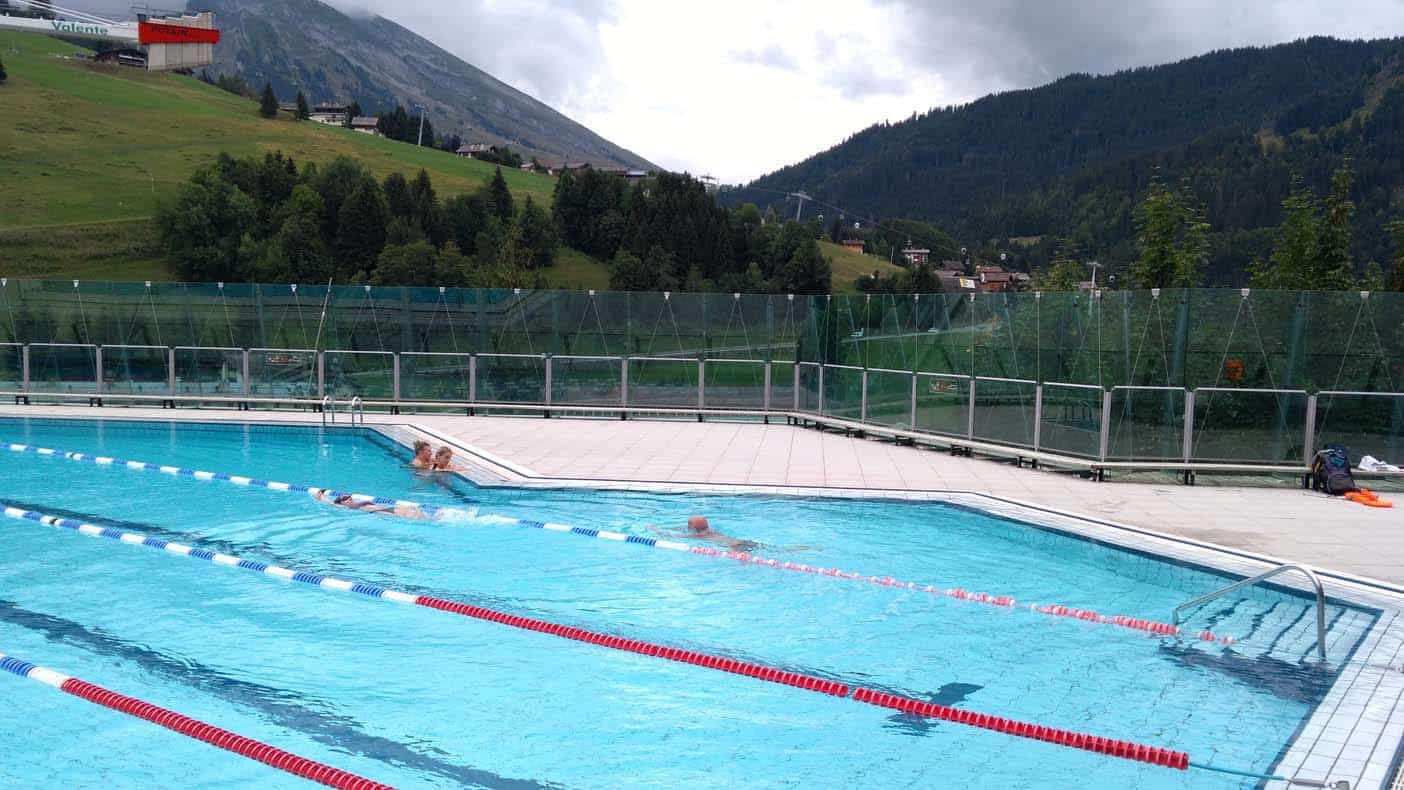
x=1309 y=437
x=795 y=394
x=170 y=371
x=912 y=422
x=321 y=374
x=970 y=413
x=821 y=389
x=765 y=397
x=395 y=377
x=863 y=397
x=624 y=381
x=1038 y=422
x=244 y=373
x=473 y=378
x=1104 y=441
x=24 y=367
x=97 y=371
x=1188 y=444
x=702 y=374
x=546 y=396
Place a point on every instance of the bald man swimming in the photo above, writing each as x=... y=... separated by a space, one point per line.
x=698 y=528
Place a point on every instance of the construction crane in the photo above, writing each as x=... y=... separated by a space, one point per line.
x=172 y=42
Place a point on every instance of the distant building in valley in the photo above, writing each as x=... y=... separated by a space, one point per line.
x=366 y=124
x=916 y=256
x=473 y=150
x=854 y=244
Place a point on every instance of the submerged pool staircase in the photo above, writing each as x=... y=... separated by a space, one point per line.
x=1306 y=571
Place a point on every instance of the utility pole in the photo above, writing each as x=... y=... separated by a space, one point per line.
x=801 y=197
x=1094 y=266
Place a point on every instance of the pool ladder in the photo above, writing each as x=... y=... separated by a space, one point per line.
x=356 y=409
x=1308 y=572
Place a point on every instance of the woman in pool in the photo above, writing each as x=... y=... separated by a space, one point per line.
x=443 y=460
x=423 y=457
x=365 y=506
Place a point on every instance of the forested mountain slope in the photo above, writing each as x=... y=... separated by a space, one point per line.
x=1070 y=159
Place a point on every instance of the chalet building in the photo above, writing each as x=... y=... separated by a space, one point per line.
x=854 y=244
x=330 y=114
x=916 y=256
x=366 y=124
x=473 y=150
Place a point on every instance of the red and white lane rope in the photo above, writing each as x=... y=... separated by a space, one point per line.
x=192 y=728
x=1155 y=755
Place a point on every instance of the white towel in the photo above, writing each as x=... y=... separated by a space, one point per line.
x=1372 y=464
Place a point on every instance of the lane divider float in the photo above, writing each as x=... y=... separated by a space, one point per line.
x=192 y=728
x=1168 y=758
x=1004 y=601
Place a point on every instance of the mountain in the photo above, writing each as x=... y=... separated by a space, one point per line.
x=331 y=56
x=1070 y=159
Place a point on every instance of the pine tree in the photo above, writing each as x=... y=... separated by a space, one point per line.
x=361 y=227
x=500 y=197
x=268 y=105
x=1294 y=252
x=1173 y=238
x=352 y=112
x=538 y=234
x=1335 y=269
x=3 y=75
x=303 y=111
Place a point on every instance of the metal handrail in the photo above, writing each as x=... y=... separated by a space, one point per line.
x=1308 y=572
x=358 y=406
x=328 y=407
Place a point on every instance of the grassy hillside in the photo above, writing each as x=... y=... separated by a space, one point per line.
x=85 y=145
x=849 y=265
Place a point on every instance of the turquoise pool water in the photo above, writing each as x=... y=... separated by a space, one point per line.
x=419 y=698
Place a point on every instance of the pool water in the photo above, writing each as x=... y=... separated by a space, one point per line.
x=420 y=698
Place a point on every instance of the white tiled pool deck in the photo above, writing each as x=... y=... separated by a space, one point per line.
x=1355 y=733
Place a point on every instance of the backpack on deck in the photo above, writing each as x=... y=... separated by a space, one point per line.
x=1330 y=471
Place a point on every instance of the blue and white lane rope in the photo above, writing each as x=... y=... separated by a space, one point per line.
x=446 y=513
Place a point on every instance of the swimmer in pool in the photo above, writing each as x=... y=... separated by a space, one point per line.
x=698 y=528
x=351 y=503
x=423 y=455
x=443 y=460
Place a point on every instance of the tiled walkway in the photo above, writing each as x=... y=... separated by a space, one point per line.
x=1286 y=523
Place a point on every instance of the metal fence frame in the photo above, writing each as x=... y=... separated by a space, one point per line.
x=796 y=406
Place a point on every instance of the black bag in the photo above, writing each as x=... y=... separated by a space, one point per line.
x=1330 y=471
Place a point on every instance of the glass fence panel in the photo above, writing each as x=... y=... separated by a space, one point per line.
x=595 y=382
x=1366 y=423
x=735 y=384
x=511 y=379
x=11 y=366
x=136 y=370
x=843 y=392
x=782 y=386
x=368 y=375
x=809 y=377
x=890 y=398
x=1147 y=424
x=943 y=404
x=663 y=382
x=282 y=373
x=1071 y=420
x=62 y=368
x=209 y=371
x=434 y=377
x=1248 y=426
x=1004 y=411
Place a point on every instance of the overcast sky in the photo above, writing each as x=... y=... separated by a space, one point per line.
x=737 y=89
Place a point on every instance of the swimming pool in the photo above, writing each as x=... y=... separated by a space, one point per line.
x=415 y=697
